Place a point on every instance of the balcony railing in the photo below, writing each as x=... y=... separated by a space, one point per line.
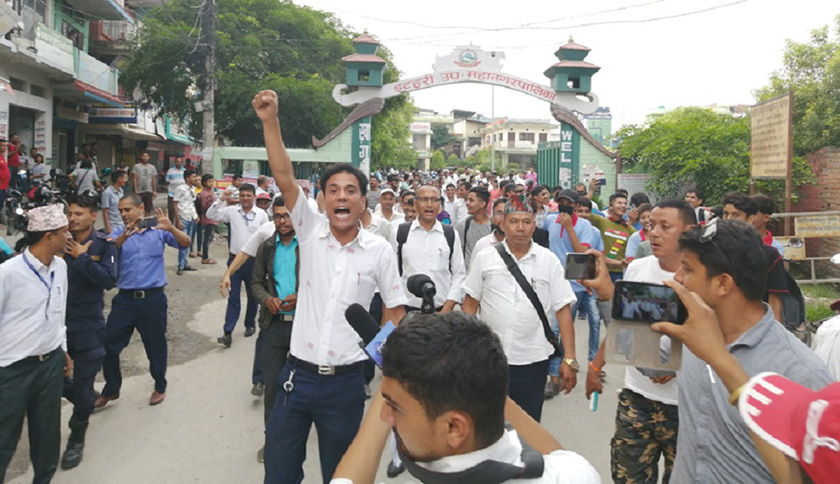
x=95 y=73
x=115 y=31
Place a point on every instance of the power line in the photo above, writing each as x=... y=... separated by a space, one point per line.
x=588 y=24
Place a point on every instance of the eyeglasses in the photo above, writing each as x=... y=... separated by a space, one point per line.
x=282 y=216
x=426 y=200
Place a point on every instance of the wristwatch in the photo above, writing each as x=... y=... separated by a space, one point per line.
x=573 y=364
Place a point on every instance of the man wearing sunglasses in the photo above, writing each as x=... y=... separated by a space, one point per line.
x=723 y=264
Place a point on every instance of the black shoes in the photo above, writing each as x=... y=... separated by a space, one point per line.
x=258 y=389
x=225 y=340
x=75 y=445
x=189 y=268
x=250 y=331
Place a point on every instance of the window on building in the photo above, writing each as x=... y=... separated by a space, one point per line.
x=419 y=142
x=75 y=36
x=17 y=84
x=526 y=137
x=543 y=137
x=39 y=7
x=37 y=90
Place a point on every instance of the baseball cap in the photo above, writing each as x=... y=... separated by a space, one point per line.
x=568 y=194
x=263 y=196
x=802 y=423
x=387 y=190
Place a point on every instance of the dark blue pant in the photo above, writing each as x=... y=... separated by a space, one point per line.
x=335 y=403
x=88 y=351
x=148 y=316
x=32 y=388
x=527 y=383
x=234 y=305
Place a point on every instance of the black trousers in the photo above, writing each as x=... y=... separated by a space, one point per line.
x=273 y=351
x=88 y=352
x=32 y=388
x=527 y=383
x=148 y=316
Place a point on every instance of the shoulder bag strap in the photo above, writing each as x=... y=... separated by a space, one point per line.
x=532 y=296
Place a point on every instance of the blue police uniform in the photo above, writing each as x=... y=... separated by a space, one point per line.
x=141 y=303
x=89 y=276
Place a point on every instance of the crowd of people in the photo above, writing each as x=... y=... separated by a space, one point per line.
x=489 y=347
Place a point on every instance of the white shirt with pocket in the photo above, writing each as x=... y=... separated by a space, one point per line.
x=506 y=308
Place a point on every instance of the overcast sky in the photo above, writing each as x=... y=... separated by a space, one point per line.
x=717 y=56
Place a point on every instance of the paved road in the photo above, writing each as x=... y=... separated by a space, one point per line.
x=209 y=428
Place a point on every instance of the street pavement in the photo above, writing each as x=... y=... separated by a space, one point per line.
x=209 y=428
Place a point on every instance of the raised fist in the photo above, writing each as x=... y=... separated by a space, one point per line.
x=265 y=105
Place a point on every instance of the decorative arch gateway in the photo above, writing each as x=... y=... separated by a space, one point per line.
x=569 y=90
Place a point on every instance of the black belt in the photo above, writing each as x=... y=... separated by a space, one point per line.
x=326 y=369
x=140 y=293
x=40 y=358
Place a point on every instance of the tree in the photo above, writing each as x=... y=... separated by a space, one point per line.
x=438 y=161
x=812 y=72
x=694 y=147
x=260 y=44
x=441 y=136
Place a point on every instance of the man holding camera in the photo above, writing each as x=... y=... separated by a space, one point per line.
x=508 y=305
x=141 y=302
x=647 y=418
x=92 y=269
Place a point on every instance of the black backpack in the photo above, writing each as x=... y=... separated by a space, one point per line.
x=402 y=236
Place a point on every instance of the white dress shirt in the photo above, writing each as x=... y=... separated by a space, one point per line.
x=456 y=209
x=427 y=252
x=380 y=227
x=262 y=234
x=242 y=225
x=32 y=309
x=184 y=195
x=506 y=308
x=488 y=240
x=332 y=277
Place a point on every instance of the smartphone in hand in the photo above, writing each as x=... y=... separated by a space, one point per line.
x=647 y=303
x=147 y=223
x=579 y=266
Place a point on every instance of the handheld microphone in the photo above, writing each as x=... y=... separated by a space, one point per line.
x=361 y=322
x=421 y=285
x=372 y=336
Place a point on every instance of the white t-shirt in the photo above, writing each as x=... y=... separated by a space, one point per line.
x=647 y=269
x=827 y=345
x=561 y=466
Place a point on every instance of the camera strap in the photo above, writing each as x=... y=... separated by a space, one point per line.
x=513 y=267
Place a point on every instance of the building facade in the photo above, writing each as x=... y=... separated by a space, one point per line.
x=515 y=141
x=60 y=86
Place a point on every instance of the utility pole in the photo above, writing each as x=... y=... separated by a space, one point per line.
x=492 y=123
x=208 y=33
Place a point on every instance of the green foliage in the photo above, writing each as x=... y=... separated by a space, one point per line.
x=260 y=44
x=827 y=291
x=816 y=312
x=812 y=72
x=438 y=161
x=390 y=146
x=440 y=136
x=694 y=147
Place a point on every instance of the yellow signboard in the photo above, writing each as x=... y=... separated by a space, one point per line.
x=793 y=247
x=771 y=138
x=818 y=226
